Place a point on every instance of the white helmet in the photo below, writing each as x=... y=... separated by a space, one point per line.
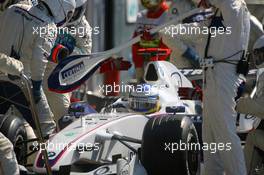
x=258 y=52
x=62 y=10
x=145 y=99
x=78 y=12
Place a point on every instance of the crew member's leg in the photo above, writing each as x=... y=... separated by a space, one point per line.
x=255 y=139
x=220 y=93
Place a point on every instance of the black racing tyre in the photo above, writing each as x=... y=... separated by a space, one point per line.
x=13 y=128
x=197 y=121
x=163 y=133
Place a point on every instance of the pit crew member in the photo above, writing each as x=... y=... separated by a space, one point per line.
x=76 y=43
x=254 y=106
x=28 y=33
x=8 y=161
x=221 y=80
x=155 y=14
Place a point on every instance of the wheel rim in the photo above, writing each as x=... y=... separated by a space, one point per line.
x=193 y=156
x=20 y=150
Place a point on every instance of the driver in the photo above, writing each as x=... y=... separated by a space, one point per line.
x=246 y=105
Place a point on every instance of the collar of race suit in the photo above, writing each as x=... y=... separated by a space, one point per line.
x=163 y=7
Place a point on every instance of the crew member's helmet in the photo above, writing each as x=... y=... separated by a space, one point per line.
x=151 y=4
x=78 y=12
x=61 y=10
x=144 y=99
x=203 y=3
x=258 y=52
x=4 y=4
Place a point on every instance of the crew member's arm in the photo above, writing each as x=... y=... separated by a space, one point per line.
x=256 y=31
x=41 y=51
x=84 y=37
x=253 y=106
x=176 y=40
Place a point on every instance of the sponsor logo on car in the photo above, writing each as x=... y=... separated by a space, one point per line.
x=70 y=72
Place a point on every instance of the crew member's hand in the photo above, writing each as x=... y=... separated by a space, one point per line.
x=191 y=55
x=58 y=53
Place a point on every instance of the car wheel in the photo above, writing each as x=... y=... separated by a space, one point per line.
x=163 y=151
x=13 y=128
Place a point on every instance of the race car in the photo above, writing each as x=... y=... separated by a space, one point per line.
x=139 y=134
x=132 y=131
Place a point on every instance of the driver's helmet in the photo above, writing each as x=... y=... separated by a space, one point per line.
x=144 y=99
x=80 y=108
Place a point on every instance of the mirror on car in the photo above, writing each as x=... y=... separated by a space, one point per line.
x=175 y=109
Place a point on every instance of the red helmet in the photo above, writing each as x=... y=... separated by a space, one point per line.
x=151 y=4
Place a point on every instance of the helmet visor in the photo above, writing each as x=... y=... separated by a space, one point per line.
x=144 y=104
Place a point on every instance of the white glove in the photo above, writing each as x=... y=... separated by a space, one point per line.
x=10 y=65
